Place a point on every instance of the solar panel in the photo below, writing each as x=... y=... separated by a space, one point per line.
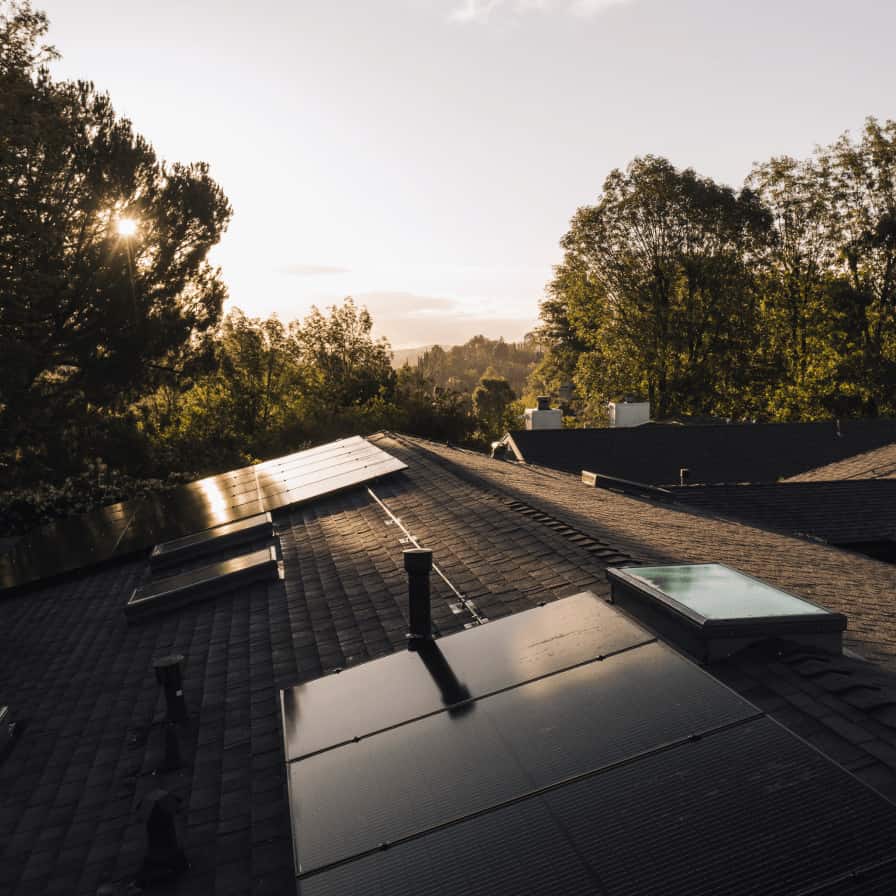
x=139 y=524
x=532 y=736
x=403 y=686
x=163 y=594
x=750 y=809
x=210 y=540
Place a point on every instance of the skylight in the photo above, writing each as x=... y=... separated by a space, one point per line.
x=712 y=610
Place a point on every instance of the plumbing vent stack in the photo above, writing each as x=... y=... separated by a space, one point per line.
x=164 y=857
x=418 y=564
x=168 y=675
x=684 y=476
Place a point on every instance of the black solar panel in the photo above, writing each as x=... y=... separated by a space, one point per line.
x=635 y=774
x=136 y=525
x=208 y=541
x=748 y=810
x=403 y=686
x=163 y=594
x=445 y=766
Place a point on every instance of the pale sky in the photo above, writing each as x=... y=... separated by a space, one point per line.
x=425 y=156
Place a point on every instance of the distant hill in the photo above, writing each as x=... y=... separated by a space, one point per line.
x=409 y=355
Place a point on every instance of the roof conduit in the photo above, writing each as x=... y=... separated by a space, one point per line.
x=626 y=486
x=173 y=592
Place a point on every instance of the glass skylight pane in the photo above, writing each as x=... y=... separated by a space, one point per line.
x=717 y=592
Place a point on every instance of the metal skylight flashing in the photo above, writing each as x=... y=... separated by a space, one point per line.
x=712 y=611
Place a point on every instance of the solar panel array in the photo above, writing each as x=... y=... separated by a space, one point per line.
x=136 y=525
x=562 y=750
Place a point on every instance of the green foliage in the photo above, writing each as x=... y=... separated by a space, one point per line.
x=88 y=317
x=461 y=366
x=491 y=400
x=778 y=302
x=22 y=509
x=432 y=411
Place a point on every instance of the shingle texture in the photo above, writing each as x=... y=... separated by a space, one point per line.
x=837 y=511
x=80 y=680
x=743 y=452
x=879 y=463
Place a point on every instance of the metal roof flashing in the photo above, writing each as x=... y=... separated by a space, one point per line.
x=712 y=611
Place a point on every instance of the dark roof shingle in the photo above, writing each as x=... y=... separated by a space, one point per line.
x=506 y=537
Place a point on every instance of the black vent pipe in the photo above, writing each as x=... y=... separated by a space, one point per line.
x=168 y=675
x=418 y=564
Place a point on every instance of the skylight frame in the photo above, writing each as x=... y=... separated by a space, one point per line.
x=708 y=638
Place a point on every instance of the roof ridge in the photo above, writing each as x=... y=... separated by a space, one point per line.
x=608 y=554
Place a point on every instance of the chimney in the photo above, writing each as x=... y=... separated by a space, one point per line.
x=417 y=564
x=544 y=416
x=168 y=674
x=684 y=476
x=628 y=412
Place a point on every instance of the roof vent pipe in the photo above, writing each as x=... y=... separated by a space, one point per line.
x=164 y=859
x=418 y=564
x=168 y=675
x=684 y=476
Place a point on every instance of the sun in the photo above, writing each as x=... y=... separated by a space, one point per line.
x=126 y=226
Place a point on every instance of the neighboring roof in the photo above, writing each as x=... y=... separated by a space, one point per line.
x=838 y=512
x=507 y=536
x=879 y=463
x=738 y=452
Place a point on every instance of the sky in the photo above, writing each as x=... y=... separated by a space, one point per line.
x=426 y=156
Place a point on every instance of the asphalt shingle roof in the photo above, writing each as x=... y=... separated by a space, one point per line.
x=836 y=511
x=740 y=452
x=80 y=680
x=879 y=463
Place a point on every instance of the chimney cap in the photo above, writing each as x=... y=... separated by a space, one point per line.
x=417 y=560
x=543 y=402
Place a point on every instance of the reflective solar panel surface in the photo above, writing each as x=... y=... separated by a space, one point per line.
x=446 y=766
x=403 y=686
x=634 y=774
x=136 y=525
x=716 y=592
x=747 y=810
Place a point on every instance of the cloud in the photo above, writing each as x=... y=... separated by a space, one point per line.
x=312 y=270
x=408 y=319
x=474 y=10
x=480 y=10
x=586 y=8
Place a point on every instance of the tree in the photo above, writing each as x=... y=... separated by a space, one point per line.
x=491 y=399
x=656 y=286
x=350 y=367
x=89 y=315
x=830 y=290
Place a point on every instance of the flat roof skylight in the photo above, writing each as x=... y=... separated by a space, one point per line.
x=714 y=591
x=712 y=610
